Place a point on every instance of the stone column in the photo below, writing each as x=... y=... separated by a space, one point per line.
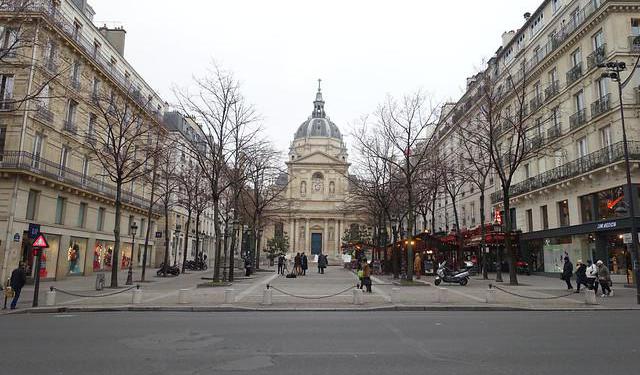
x=307 y=237
x=292 y=236
x=336 y=238
x=325 y=236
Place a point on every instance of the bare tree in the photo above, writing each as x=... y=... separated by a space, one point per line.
x=119 y=142
x=167 y=185
x=409 y=126
x=218 y=105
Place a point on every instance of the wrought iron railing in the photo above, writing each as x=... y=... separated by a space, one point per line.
x=536 y=102
x=578 y=119
x=574 y=74
x=596 y=57
x=70 y=126
x=44 y=113
x=601 y=105
x=554 y=132
x=634 y=43
x=588 y=163
x=25 y=161
x=552 y=90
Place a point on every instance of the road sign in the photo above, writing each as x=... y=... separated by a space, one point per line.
x=626 y=238
x=158 y=234
x=40 y=242
x=34 y=230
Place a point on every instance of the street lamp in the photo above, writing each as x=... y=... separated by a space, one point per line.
x=258 y=240
x=613 y=70
x=235 y=224
x=134 y=230
x=177 y=238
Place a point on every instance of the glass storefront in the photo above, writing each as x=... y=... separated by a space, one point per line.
x=49 y=259
x=619 y=257
x=574 y=247
x=125 y=255
x=76 y=255
x=102 y=255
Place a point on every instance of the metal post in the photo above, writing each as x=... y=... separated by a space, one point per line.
x=36 y=288
x=134 y=229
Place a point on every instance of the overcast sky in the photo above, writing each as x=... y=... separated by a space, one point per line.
x=362 y=49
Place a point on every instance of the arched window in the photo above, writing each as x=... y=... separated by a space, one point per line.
x=317 y=181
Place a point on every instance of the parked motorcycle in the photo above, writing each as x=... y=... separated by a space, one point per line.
x=448 y=276
x=171 y=270
x=195 y=265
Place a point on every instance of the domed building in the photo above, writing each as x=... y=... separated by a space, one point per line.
x=314 y=212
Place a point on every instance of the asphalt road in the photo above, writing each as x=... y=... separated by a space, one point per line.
x=322 y=343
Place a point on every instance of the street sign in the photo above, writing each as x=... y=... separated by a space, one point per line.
x=40 y=242
x=626 y=238
x=16 y=237
x=34 y=230
x=158 y=234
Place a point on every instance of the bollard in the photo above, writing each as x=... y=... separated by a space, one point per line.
x=183 y=296
x=395 y=294
x=443 y=295
x=229 y=296
x=51 y=298
x=357 y=297
x=491 y=296
x=137 y=297
x=267 y=296
x=590 y=297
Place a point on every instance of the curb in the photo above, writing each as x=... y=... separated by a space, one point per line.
x=228 y=308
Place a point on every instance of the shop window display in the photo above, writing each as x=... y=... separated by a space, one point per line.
x=125 y=257
x=102 y=256
x=49 y=258
x=76 y=255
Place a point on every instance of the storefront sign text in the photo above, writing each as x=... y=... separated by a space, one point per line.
x=608 y=225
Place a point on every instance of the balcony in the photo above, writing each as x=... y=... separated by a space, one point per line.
x=554 y=132
x=70 y=126
x=75 y=83
x=27 y=162
x=90 y=139
x=596 y=57
x=536 y=103
x=552 y=90
x=51 y=65
x=588 y=163
x=634 y=43
x=7 y=105
x=574 y=74
x=44 y=113
x=601 y=106
x=578 y=119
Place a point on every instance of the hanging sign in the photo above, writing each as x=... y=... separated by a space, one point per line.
x=40 y=242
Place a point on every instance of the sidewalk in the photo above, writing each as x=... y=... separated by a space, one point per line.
x=333 y=290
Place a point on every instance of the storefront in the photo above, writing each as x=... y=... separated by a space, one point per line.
x=48 y=260
x=76 y=255
x=102 y=255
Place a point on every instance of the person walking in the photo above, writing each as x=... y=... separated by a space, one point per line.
x=281 y=261
x=322 y=263
x=297 y=264
x=366 y=275
x=592 y=276
x=604 y=278
x=18 y=279
x=247 y=266
x=567 y=272
x=305 y=264
x=581 y=275
x=417 y=266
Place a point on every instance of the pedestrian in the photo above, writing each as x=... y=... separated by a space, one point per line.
x=297 y=261
x=581 y=275
x=366 y=275
x=567 y=272
x=18 y=279
x=281 y=261
x=322 y=263
x=604 y=278
x=592 y=276
x=247 y=266
x=417 y=266
x=305 y=264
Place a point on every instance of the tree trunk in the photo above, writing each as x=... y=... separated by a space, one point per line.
x=116 y=234
x=186 y=239
x=458 y=230
x=198 y=213
x=513 y=277
x=433 y=214
x=411 y=229
x=148 y=232
x=216 y=226
x=165 y=264
x=394 y=254
x=483 y=254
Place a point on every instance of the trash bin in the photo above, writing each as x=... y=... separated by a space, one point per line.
x=100 y=280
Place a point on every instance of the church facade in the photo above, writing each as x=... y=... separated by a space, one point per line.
x=315 y=211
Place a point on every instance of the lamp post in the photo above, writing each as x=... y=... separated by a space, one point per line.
x=176 y=234
x=497 y=228
x=394 y=254
x=232 y=250
x=134 y=230
x=613 y=70
x=258 y=243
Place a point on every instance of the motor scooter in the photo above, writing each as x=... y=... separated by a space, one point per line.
x=448 y=276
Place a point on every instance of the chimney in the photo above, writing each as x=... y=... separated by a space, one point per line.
x=507 y=36
x=115 y=36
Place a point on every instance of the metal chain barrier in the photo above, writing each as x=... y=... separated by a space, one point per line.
x=309 y=297
x=530 y=297
x=74 y=294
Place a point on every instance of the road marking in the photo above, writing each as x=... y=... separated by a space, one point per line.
x=253 y=287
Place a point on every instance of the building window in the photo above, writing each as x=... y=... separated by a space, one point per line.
x=131 y=218
x=32 y=204
x=142 y=227
x=544 y=217
x=582 y=147
x=82 y=214
x=101 y=213
x=61 y=204
x=75 y=74
x=605 y=137
x=563 y=213
x=6 y=92
x=70 y=122
x=64 y=159
x=529 y=220
x=527 y=171
x=576 y=58
x=8 y=41
x=3 y=139
x=579 y=101
x=37 y=150
x=555 y=5
x=586 y=208
x=85 y=169
x=635 y=26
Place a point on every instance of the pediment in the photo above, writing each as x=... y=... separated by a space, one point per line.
x=318 y=157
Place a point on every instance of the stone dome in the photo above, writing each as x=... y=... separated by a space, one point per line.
x=318 y=125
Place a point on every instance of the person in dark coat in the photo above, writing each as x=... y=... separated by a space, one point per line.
x=281 y=261
x=247 y=266
x=567 y=272
x=322 y=263
x=581 y=275
x=305 y=264
x=297 y=264
x=18 y=279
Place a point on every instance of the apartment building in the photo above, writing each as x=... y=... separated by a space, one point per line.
x=568 y=199
x=60 y=62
